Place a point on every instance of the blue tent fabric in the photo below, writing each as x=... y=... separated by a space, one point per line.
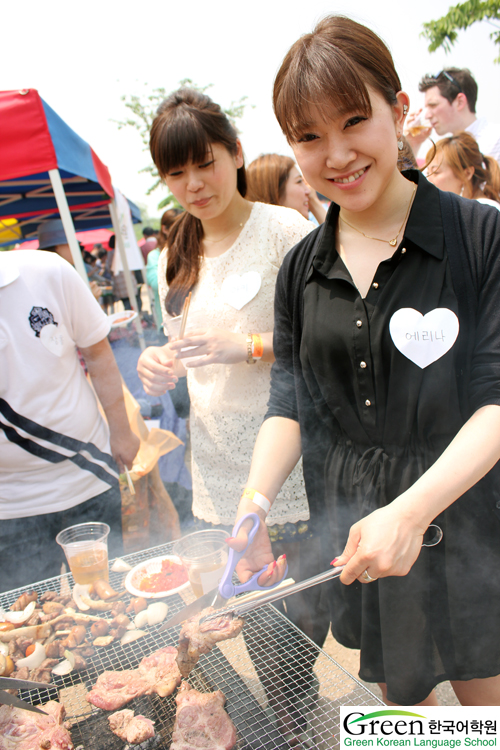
x=74 y=156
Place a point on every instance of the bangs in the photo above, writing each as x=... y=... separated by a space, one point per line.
x=318 y=77
x=179 y=140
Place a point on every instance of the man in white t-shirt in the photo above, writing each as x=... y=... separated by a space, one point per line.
x=59 y=461
x=450 y=107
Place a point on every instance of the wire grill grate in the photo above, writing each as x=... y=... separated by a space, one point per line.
x=271 y=674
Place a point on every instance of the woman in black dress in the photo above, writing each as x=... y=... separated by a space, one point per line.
x=387 y=380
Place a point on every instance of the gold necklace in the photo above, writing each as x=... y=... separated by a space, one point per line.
x=392 y=242
x=207 y=239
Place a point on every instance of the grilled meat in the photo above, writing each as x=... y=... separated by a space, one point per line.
x=25 y=730
x=130 y=728
x=196 y=639
x=157 y=673
x=201 y=721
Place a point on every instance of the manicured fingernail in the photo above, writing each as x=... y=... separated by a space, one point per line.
x=229 y=539
x=283 y=557
x=334 y=560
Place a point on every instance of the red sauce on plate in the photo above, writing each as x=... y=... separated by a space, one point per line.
x=171 y=575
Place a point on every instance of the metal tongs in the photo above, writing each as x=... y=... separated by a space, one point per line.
x=10 y=683
x=239 y=610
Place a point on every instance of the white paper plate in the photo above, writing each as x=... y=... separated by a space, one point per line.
x=120 y=319
x=146 y=568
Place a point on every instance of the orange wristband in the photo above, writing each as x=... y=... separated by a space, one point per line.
x=257 y=346
x=257 y=498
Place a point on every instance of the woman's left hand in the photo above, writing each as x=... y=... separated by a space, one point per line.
x=385 y=543
x=214 y=346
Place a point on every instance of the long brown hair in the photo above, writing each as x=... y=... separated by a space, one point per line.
x=186 y=125
x=267 y=176
x=461 y=151
x=330 y=70
x=166 y=221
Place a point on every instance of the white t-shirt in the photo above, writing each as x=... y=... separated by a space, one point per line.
x=489 y=202
x=487 y=135
x=54 y=443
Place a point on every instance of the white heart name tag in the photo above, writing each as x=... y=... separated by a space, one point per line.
x=238 y=290
x=54 y=338
x=424 y=338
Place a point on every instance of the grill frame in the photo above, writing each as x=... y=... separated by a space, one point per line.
x=228 y=667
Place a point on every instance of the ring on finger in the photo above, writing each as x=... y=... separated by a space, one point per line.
x=367 y=577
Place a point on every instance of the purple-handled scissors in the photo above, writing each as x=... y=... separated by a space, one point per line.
x=218 y=597
x=226 y=587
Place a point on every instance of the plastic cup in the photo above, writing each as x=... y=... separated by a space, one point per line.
x=419 y=124
x=196 y=321
x=204 y=555
x=86 y=548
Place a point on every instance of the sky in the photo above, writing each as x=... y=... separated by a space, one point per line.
x=83 y=58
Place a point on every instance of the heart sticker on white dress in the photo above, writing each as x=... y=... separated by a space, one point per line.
x=424 y=338
x=238 y=290
x=55 y=338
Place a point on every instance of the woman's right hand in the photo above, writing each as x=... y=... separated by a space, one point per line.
x=156 y=370
x=257 y=556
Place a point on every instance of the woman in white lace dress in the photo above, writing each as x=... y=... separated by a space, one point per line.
x=227 y=252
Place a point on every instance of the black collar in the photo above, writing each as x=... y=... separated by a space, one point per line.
x=424 y=228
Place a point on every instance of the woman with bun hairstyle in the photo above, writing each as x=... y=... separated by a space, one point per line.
x=387 y=382
x=456 y=164
x=275 y=179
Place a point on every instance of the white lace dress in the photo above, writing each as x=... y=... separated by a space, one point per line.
x=228 y=402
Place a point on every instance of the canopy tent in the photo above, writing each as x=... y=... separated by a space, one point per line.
x=47 y=170
x=33 y=141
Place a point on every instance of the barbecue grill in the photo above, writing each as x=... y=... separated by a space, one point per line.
x=270 y=647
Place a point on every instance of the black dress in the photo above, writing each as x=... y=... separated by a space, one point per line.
x=383 y=422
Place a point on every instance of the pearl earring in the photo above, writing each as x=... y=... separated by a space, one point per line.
x=405 y=109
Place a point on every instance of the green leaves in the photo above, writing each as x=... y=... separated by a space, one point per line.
x=444 y=31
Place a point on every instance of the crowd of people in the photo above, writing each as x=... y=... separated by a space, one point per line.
x=342 y=361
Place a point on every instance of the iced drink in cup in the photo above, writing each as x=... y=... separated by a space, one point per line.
x=86 y=548
x=418 y=125
x=196 y=321
x=204 y=555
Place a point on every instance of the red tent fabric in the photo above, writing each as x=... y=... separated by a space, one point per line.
x=88 y=239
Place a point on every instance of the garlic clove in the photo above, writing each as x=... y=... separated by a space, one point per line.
x=141 y=619
x=132 y=635
x=64 y=667
x=80 y=592
x=156 y=613
x=120 y=566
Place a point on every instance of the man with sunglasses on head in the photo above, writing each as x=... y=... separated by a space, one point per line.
x=450 y=107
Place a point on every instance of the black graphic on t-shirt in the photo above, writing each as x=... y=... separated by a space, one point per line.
x=40 y=317
x=86 y=456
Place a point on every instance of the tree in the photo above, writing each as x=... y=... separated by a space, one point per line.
x=444 y=31
x=143 y=109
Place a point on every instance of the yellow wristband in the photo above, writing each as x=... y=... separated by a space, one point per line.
x=257 y=498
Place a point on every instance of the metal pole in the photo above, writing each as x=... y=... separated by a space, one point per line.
x=67 y=221
x=126 y=270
